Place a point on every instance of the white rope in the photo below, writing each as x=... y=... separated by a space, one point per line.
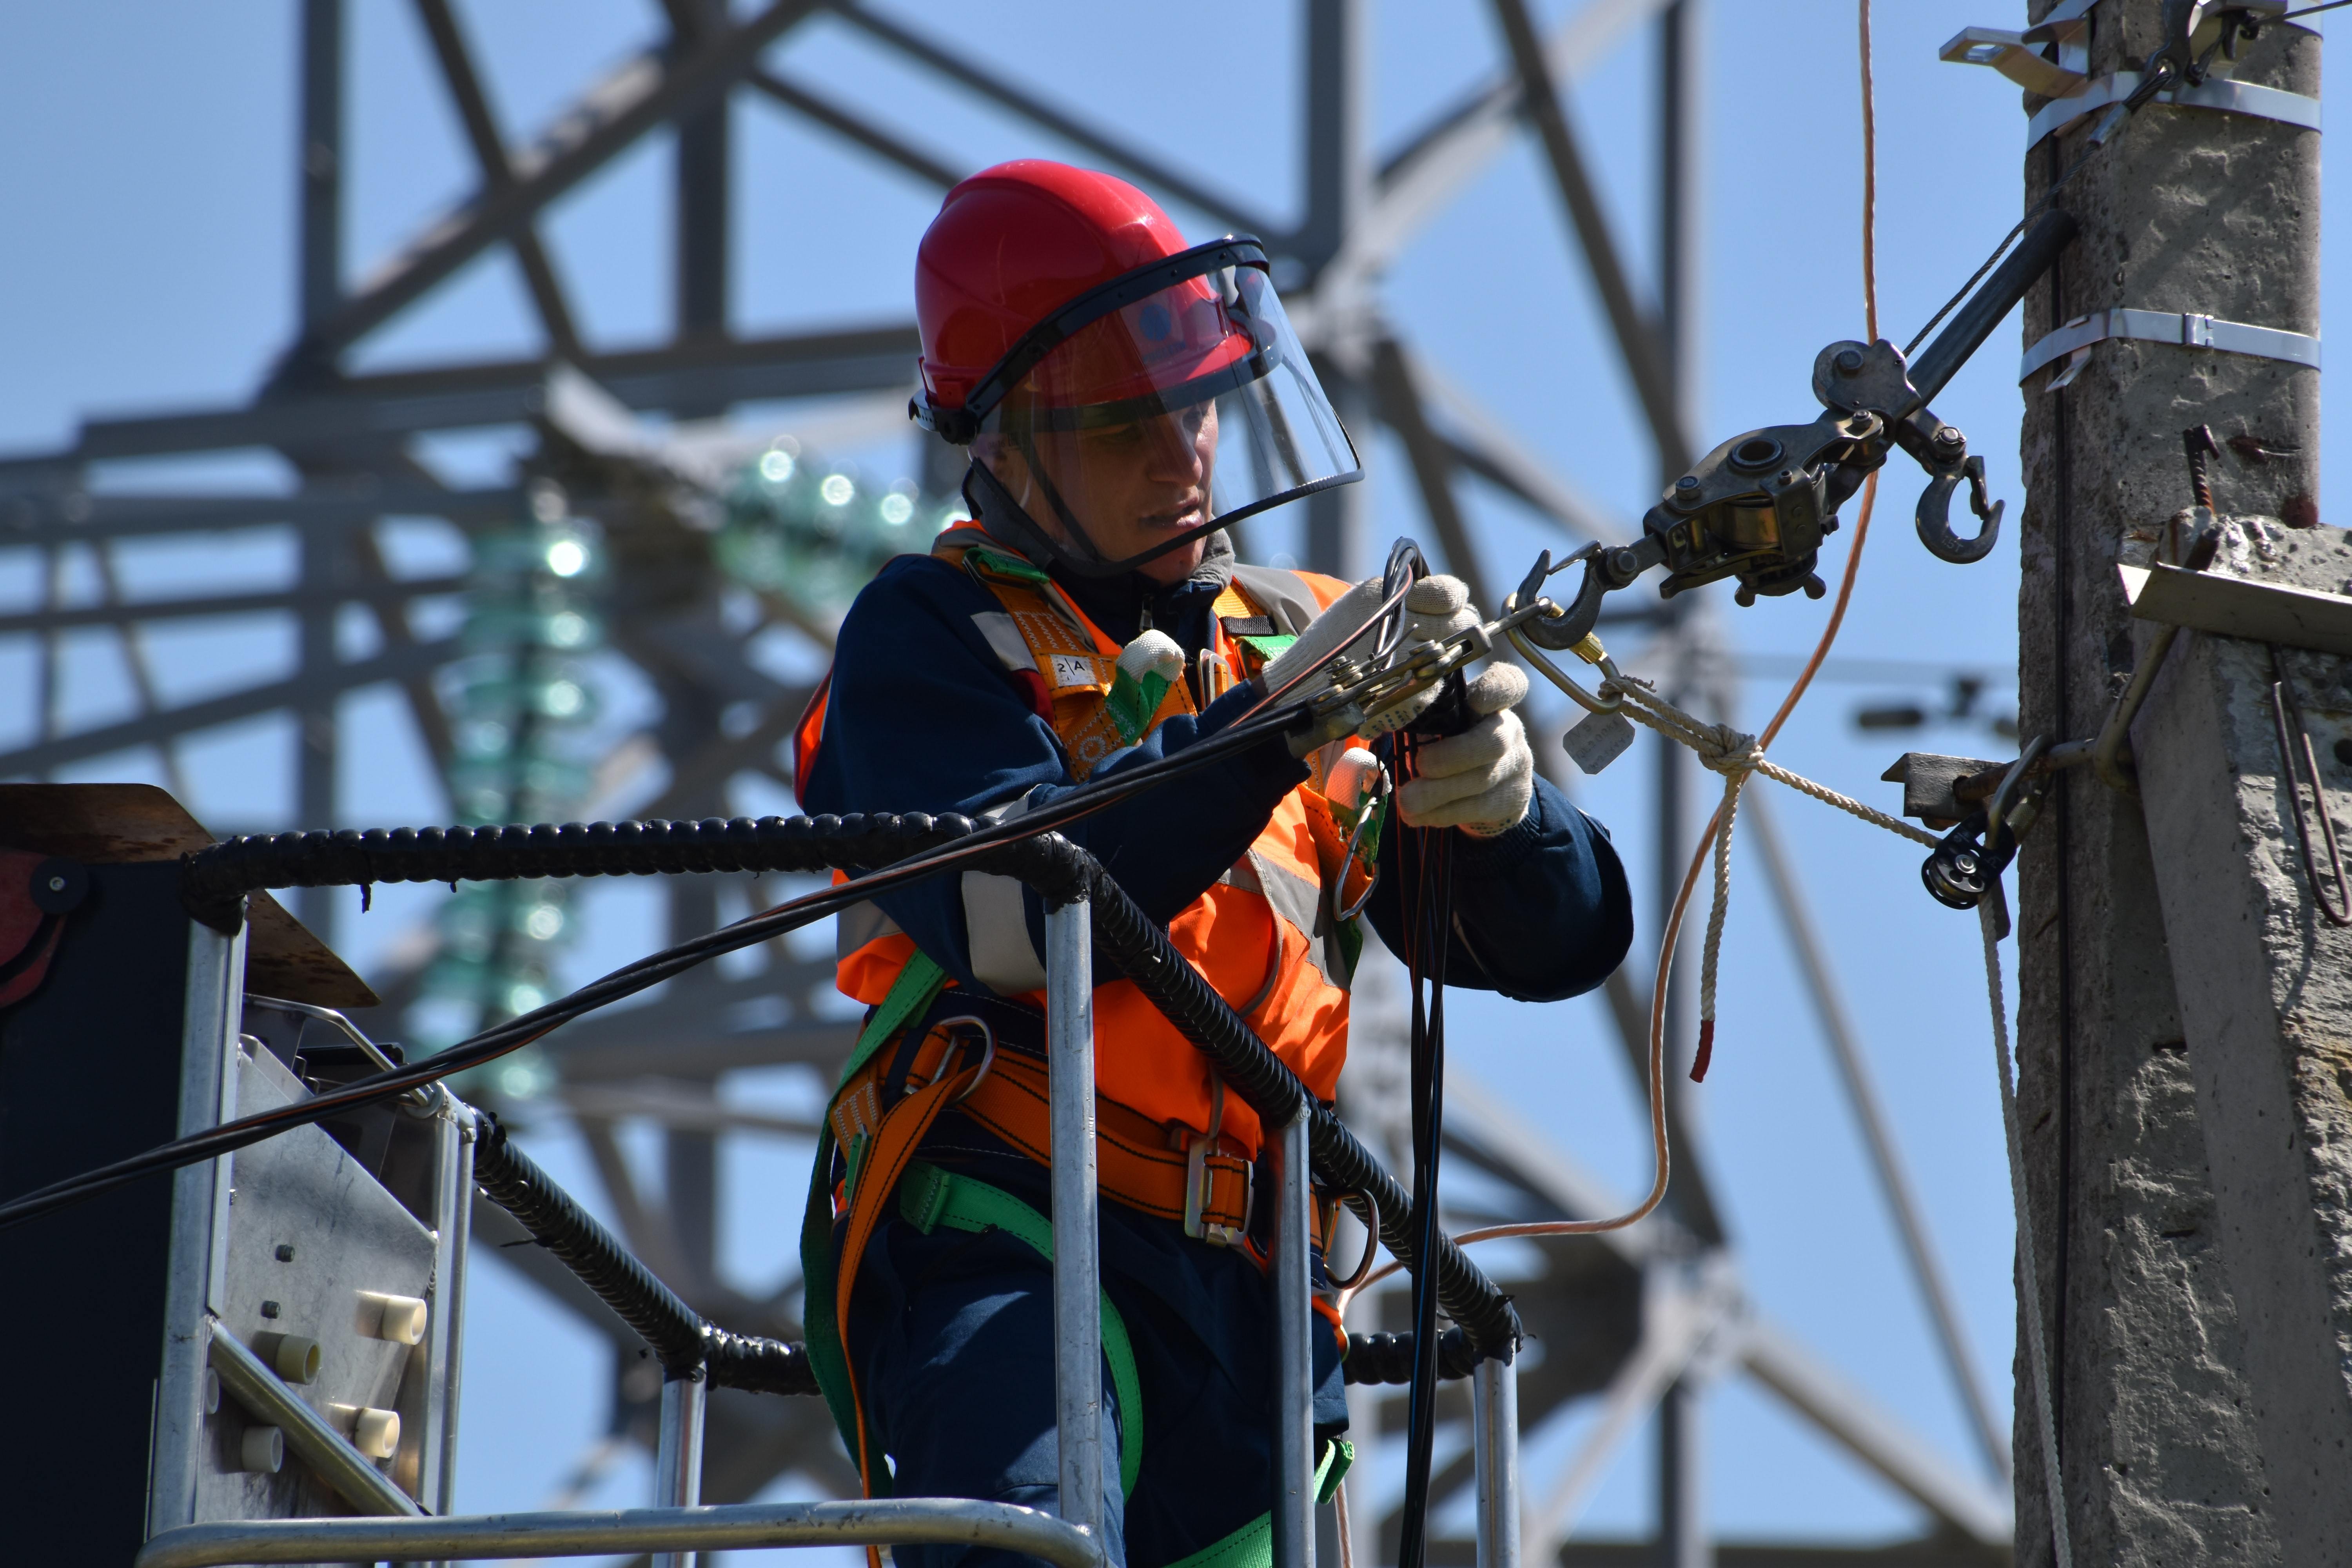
x=2028 y=1270
x=1736 y=756
x=1708 y=954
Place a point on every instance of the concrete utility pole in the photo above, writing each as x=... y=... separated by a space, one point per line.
x=2186 y=1132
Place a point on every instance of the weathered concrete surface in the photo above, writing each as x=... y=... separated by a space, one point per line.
x=2184 y=210
x=2265 y=993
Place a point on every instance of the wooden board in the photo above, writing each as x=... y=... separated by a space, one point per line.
x=126 y=824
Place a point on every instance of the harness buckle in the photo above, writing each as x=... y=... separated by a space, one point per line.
x=1197 y=1177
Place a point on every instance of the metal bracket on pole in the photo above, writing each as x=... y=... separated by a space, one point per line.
x=1294 y=1377
x=1078 y=1291
x=678 y=1453
x=1495 y=1451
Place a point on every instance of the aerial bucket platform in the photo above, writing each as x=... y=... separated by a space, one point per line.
x=267 y=1349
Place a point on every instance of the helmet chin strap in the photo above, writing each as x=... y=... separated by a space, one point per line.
x=1000 y=513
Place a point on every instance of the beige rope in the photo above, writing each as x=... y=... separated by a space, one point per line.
x=1736 y=756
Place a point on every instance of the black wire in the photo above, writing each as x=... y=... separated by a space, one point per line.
x=1428 y=927
x=644 y=973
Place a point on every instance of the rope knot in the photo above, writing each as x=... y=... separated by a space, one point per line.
x=1726 y=750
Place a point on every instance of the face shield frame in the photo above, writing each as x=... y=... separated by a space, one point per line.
x=1273 y=348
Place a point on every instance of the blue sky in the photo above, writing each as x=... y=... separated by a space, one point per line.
x=146 y=155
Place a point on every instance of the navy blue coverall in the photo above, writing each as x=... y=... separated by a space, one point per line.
x=951 y=1332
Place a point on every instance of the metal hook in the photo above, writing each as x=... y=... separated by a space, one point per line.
x=1562 y=632
x=1934 y=516
x=2284 y=703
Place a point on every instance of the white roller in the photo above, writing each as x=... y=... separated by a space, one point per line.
x=399 y=1318
x=290 y=1356
x=261 y=1451
x=375 y=1432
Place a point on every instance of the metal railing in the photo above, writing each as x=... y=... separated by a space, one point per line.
x=952 y=1521
x=1084 y=907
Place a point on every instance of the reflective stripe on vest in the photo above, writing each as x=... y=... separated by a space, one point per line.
x=1262 y=936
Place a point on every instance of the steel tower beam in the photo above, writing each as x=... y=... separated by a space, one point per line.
x=649 y=91
x=473 y=105
x=348 y=433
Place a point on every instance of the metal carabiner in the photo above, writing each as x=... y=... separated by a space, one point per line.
x=1370 y=811
x=1560 y=677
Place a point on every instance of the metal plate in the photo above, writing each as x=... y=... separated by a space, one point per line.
x=1928 y=778
x=2239 y=607
x=1598 y=740
x=347 y=1235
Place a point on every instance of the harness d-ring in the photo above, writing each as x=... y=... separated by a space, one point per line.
x=1371 y=1244
x=947 y=1058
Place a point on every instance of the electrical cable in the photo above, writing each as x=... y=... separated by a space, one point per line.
x=647 y=972
x=1429 y=929
x=2029 y=1270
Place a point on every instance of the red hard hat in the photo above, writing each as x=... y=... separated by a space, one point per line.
x=1013 y=243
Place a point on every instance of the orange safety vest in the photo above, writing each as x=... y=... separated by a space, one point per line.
x=1263 y=935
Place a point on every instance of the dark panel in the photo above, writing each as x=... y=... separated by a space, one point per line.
x=90 y=1073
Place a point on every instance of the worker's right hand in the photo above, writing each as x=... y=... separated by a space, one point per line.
x=1435 y=608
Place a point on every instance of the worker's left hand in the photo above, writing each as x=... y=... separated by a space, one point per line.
x=1482 y=778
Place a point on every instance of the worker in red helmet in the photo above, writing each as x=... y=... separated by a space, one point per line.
x=1126 y=398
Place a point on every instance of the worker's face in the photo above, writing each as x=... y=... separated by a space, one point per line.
x=1132 y=487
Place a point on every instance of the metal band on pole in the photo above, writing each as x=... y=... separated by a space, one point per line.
x=2187 y=329
x=1495 y=1449
x=1294 y=1311
x=2221 y=93
x=1078 y=1289
x=678 y=1453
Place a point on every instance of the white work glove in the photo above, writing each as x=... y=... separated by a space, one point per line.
x=1481 y=780
x=1435 y=608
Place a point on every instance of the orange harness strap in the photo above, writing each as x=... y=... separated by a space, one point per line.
x=893 y=1145
x=1170 y=1172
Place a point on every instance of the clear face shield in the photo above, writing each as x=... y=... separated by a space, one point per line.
x=1152 y=411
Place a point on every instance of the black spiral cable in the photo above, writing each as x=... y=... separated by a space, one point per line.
x=215 y=881
x=682 y=1338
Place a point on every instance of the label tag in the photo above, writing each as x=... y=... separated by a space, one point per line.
x=1600 y=739
x=1072 y=669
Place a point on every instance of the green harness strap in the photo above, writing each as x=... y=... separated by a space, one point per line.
x=929 y=1198
x=1252 y=1546
x=909 y=995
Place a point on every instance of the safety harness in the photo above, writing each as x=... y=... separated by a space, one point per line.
x=911 y=1063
